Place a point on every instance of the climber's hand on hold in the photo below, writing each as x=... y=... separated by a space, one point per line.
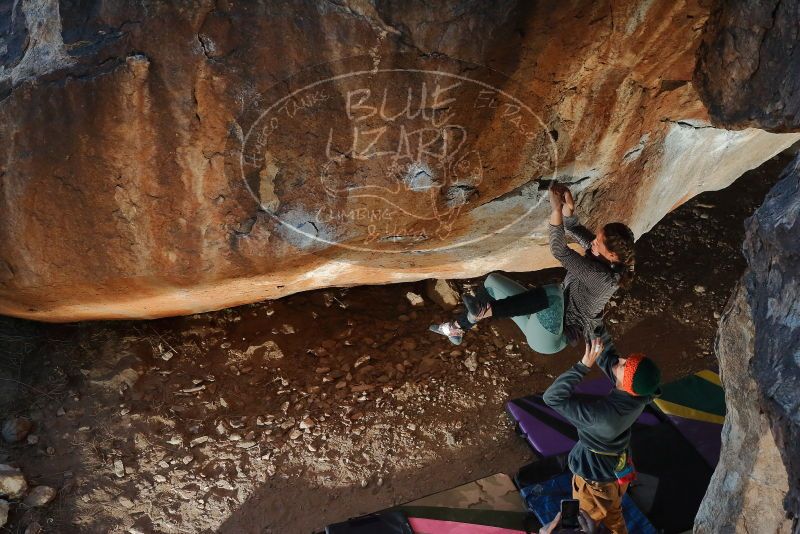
x=556 y=197
x=569 y=202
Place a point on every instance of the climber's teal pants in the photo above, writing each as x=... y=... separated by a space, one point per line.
x=544 y=330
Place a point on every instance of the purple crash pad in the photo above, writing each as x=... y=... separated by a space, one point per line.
x=548 y=432
x=695 y=404
x=705 y=437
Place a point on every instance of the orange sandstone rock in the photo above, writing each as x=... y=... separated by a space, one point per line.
x=172 y=160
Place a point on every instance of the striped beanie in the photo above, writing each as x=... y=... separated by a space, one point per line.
x=641 y=375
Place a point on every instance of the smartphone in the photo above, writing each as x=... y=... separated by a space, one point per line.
x=569 y=513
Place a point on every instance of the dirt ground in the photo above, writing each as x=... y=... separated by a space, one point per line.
x=284 y=416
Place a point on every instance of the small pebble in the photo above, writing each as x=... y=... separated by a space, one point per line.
x=15 y=429
x=198 y=441
x=119 y=468
x=414 y=299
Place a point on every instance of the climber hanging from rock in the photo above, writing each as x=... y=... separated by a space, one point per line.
x=551 y=316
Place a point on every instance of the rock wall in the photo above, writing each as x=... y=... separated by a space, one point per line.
x=756 y=486
x=749 y=486
x=745 y=62
x=745 y=74
x=173 y=157
x=772 y=248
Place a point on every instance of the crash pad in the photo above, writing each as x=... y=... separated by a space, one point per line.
x=491 y=502
x=696 y=406
x=544 y=500
x=548 y=432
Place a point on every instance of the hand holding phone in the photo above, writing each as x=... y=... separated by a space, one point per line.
x=569 y=513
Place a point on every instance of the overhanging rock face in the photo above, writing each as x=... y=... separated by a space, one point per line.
x=174 y=159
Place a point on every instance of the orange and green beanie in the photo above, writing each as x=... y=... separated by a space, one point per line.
x=641 y=375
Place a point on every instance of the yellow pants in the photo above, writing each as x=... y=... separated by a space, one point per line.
x=602 y=501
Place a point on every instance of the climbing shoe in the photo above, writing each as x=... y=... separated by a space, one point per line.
x=453 y=332
x=477 y=308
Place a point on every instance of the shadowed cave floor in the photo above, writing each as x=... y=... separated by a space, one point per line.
x=269 y=417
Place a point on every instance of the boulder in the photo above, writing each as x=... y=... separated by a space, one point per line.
x=747 y=50
x=755 y=487
x=4 y=506
x=749 y=485
x=772 y=249
x=753 y=44
x=12 y=482
x=153 y=166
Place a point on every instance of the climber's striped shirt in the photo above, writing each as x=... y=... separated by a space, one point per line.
x=589 y=283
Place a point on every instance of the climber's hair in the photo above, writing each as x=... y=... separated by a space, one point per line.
x=619 y=240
